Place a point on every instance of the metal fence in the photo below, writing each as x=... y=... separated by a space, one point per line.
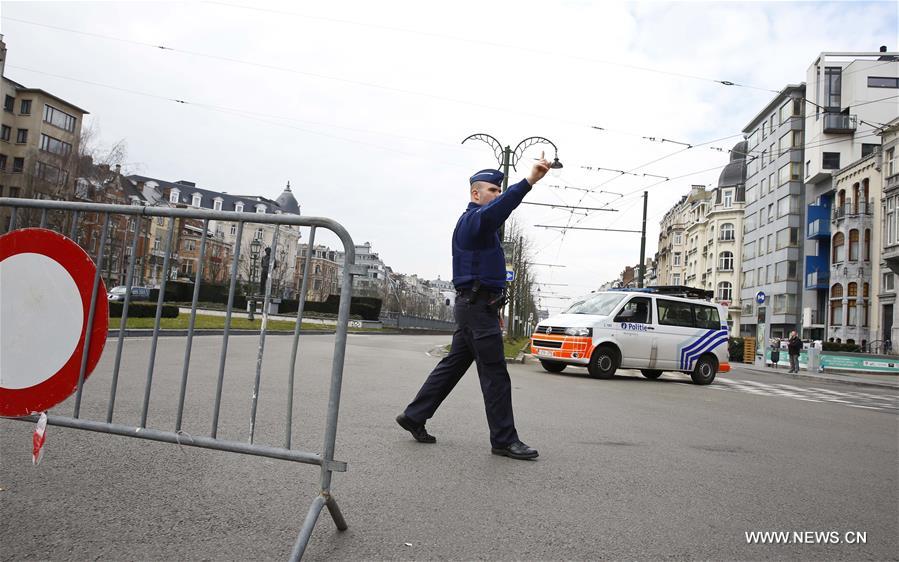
x=403 y=321
x=65 y=218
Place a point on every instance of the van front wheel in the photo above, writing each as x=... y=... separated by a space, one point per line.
x=552 y=366
x=603 y=363
x=705 y=370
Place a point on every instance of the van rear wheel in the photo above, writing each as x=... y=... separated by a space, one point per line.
x=603 y=363
x=552 y=366
x=651 y=373
x=705 y=370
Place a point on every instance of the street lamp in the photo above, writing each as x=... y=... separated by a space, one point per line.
x=255 y=246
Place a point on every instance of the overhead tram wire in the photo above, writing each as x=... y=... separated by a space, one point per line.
x=500 y=45
x=266 y=66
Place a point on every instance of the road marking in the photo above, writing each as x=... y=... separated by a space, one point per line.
x=854 y=399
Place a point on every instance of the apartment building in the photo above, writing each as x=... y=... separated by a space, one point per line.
x=849 y=98
x=39 y=138
x=884 y=325
x=774 y=216
x=373 y=273
x=323 y=280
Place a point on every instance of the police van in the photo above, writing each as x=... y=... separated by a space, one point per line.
x=657 y=329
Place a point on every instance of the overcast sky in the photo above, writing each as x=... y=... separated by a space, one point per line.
x=362 y=105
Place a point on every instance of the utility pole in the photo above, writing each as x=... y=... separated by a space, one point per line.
x=642 y=269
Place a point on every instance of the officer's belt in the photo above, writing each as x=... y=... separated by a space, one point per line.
x=482 y=294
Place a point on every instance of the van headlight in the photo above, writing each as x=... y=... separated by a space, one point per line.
x=578 y=331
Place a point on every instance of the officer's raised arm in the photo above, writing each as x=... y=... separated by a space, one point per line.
x=496 y=211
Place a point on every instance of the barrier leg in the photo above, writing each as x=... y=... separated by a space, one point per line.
x=336 y=515
x=311 y=517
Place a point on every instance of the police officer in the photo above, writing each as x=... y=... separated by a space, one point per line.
x=479 y=276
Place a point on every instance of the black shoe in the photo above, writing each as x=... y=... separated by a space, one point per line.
x=417 y=430
x=516 y=450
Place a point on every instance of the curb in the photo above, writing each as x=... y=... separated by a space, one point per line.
x=829 y=378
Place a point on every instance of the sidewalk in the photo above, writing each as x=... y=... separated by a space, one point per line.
x=861 y=379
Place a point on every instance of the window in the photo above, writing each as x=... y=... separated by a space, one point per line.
x=785 y=271
x=784 y=304
x=258 y=235
x=751 y=194
x=791 y=171
x=726 y=261
x=753 y=139
x=677 y=260
x=868 y=149
x=18 y=165
x=25 y=107
x=762 y=215
x=852 y=316
x=5 y=132
x=830 y=161
x=760 y=275
x=749 y=224
x=9 y=103
x=787 y=205
x=675 y=279
x=771 y=212
x=637 y=310
x=260 y=209
x=728 y=199
x=196 y=199
x=853 y=245
x=55 y=146
x=771 y=154
x=883 y=82
x=839 y=248
x=217 y=204
x=749 y=278
x=59 y=118
x=889 y=283
x=174 y=196
x=238 y=207
x=762 y=249
x=772 y=183
x=233 y=229
x=764 y=129
x=725 y=291
x=190 y=245
x=187 y=267
x=675 y=313
x=788 y=237
x=867 y=248
x=727 y=231
x=769 y=274
x=748 y=250
x=707 y=317
x=786 y=111
x=832 y=81
x=678 y=238
x=51 y=174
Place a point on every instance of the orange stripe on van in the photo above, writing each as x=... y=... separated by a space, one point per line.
x=581 y=345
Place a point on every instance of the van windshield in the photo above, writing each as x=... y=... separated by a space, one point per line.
x=601 y=304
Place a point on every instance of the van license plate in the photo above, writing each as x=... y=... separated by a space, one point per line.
x=545 y=352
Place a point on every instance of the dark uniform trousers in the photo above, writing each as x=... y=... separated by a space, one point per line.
x=478 y=338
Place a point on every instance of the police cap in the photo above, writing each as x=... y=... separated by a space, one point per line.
x=490 y=176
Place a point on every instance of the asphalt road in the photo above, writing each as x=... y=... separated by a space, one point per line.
x=628 y=469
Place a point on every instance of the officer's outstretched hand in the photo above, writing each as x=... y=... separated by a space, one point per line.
x=539 y=170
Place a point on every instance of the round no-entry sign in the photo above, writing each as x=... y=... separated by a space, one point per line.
x=45 y=298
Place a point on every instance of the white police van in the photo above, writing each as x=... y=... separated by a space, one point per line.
x=656 y=329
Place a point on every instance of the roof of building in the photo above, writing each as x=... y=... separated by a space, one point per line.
x=288 y=202
x=734 y=173
x=187 y=189
x=22 y=88
x=773 y=104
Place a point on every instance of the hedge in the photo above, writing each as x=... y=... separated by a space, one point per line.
x=847 y=347
x=142 y=310
x=735 y=349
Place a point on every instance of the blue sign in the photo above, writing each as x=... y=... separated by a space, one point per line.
x=510 y=275
x=760 y=297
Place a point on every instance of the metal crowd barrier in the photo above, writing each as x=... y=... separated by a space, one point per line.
x=71 y=212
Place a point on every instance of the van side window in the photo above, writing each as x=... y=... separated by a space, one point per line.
x=637 y=310
x=675 y=313
x=707 y=317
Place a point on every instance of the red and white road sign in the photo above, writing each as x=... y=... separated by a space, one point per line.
x=45 y=296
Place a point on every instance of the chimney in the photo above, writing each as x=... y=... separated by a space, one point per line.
x=118 y=169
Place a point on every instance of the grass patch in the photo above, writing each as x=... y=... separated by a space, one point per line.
x=511 y=346
x=206 y=322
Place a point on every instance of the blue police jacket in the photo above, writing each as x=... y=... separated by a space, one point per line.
x=477 y=252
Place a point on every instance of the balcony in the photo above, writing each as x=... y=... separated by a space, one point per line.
x=862 y=208
x=817 y=280
x=818 y=228
x=840 y=123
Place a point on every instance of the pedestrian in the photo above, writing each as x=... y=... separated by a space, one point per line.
x=775 y=352
x=794 y=347
x=479 y=276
